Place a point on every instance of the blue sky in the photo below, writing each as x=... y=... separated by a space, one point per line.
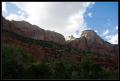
x=12 y=8
x=68 y=18
x=105 y=16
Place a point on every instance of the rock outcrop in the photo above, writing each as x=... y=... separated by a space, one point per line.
x=32 y=31
x=89 y=40
x=54 y=37
x=91 y=37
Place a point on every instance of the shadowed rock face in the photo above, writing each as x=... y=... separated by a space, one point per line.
x=89 y=40
x=32 y=31
x=116 y=48
x=5 y=23
x=28 y=30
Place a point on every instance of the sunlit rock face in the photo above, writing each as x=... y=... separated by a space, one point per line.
x=89 y=40
x=54 y=36
x=91 y=37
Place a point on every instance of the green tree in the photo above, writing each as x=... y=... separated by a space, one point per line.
x=63 y=70
x=15 y=61
x=90 y=70
x=40 y=71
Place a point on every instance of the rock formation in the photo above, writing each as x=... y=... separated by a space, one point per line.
x=91 y=37
x=103 y=53
x=32 y=31
x=89 y=40
x=54 y=37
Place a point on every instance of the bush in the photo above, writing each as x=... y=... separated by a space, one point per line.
x=15 y=61
x=90 y=70
x=63 y=70
x=18 y=64
x=40 y=71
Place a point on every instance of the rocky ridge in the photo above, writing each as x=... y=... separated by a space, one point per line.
x=32 y=31
x=89 y=40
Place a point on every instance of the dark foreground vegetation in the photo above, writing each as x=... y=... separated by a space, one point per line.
x=18 y=64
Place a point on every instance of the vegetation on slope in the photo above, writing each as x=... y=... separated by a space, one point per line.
x=18 y=64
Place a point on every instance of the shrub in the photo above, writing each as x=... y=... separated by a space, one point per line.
x=15 y=61
x=40 y=71
x=18 y=64
x=63 y=70
x=90 y=70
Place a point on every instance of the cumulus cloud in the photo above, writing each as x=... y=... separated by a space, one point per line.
x=4 y=7
x=90 y=15
x=116 y=28
x=19 y=12
x=113 y=39
x=96 y=31
x=16 y=17
x=77 y=23
x=63 y=17
x=105 y=33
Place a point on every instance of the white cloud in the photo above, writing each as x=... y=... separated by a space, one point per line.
x=105 y=33
x=4 y=7
x=16 y=17
x=19 y=12
x=96 y=31
x=76 y=22
x=63 y=17
x=113 y=39
x=90 y=15
x=108 y=37
x=116 y=28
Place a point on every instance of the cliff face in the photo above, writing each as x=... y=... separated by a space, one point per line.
x=102 y=52
x=89 y=40
x=5 y=24
x=55 y=37
x=32 y=31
